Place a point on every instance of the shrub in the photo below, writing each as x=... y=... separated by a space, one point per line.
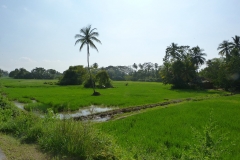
x=88 y=83
x=73 y=76
x=103 y=79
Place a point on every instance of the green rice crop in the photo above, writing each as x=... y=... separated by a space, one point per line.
x=169 y=131
x=73 y=97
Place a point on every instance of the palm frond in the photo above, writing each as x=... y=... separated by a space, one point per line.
x=82 y=46
x=83 y=31
x=79 y=40
x=79 y=36
x=91 y=31
x=92 y=45
x=94 y=34
x=95 y=39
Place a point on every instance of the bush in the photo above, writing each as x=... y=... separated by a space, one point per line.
x=88 y=83
x=103 y=79
x=73 y=76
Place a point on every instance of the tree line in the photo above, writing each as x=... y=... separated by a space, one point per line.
x=36 y=73
x=224 y=72
x=147 y=71
x=180 y=68
x=3 y=73
x=78 y=75
x=181 y=65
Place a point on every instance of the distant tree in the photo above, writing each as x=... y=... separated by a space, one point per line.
x=13 y=73
x=95 y=65
x=38 y=73
x=73 y=76
x=197 y=56
x=172 y=51
x=235 y=46
x=236 y=43
x=140 y=66
x=225 y=49
x=23 y=74
x=212 y=71
x=135 y=66
x=103 y=79
x=86 y=37
x=180 y=65
x=3 y=73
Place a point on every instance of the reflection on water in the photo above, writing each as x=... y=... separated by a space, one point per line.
x=101 y=119
x=81 y=112
x=85 y=112
x=19 y=105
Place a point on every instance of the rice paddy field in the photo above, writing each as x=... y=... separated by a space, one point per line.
x=205 y=127
x=172 y=130
x=49 y=95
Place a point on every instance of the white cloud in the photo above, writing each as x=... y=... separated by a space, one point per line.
x=27 y=59
x=51 y=61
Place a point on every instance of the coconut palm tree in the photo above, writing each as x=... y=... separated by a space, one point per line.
x=235 y=45
x=172 y=51
x=236 y=42
x=86 y=37
x=224 y=48
x=197 y=56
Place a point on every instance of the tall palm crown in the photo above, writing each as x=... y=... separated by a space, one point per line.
x=172 y=51
x=86 y=37
x=235 y=45
x=197 y=56
x=224 y=48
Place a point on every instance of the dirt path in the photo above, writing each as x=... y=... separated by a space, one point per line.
x=13 y=149
x=2 y=155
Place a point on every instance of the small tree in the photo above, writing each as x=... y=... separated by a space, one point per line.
x=73 y=76
x=103 y=79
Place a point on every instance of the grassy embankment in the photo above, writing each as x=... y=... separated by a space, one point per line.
x=66 y=139
x=171 y=132
x=14 y=149
x=73 y=97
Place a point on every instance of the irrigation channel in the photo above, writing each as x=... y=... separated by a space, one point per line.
x=101 y=114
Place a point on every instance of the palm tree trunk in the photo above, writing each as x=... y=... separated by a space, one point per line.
x=89 y=68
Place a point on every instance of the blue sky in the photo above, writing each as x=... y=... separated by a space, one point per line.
x=40 y=33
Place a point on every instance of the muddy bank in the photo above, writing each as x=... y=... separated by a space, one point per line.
x=109 y=114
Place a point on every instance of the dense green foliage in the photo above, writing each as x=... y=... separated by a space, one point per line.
x=147 y=71
x=178 y=131
x=225 y=72
x=36 y=73
x=73 y=97
x=3 y=73
x=103 y=79
x=181 y=64
x=73 y=76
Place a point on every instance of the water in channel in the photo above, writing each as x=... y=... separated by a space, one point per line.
x=81 y=112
